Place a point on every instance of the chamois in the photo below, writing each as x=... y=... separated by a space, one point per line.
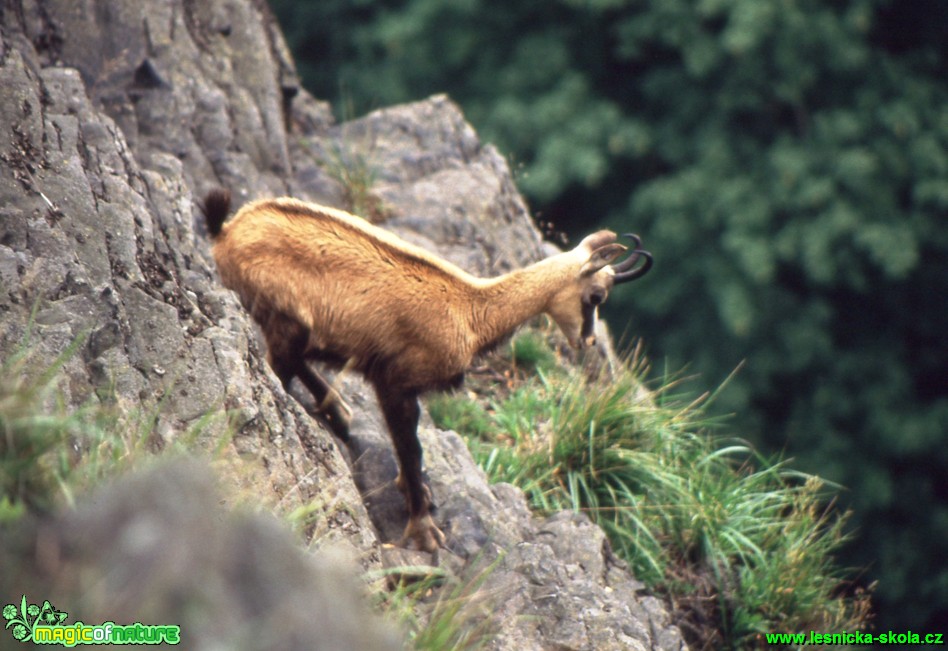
x=328 y=286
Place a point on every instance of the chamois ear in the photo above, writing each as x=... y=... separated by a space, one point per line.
x=601 y=257
x=595 y=240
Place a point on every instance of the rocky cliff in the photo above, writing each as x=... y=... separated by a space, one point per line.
x=115 y=117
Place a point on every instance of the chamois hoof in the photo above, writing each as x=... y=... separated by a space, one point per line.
x=422 y=534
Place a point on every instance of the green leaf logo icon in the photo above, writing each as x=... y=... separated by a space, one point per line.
x=27 y=617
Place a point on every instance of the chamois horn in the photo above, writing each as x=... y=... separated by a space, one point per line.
x=624 y=270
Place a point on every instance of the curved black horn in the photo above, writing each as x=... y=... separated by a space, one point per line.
x=624 y=270
x=636 y=240
x=629 y=262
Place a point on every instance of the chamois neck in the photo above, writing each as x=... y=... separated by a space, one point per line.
x=505 y=302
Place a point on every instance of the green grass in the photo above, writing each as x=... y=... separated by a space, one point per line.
x=351 y=168
x=441 y=612
x=42 y=442
x=739 y=543
x=465 y=416
x=530 y=351
x=50 y=453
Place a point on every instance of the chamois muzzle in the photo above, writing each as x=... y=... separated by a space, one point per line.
x=626 y=270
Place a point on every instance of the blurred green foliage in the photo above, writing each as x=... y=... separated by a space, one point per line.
x=787 y=164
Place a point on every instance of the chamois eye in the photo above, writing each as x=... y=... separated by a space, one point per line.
x=596 y=297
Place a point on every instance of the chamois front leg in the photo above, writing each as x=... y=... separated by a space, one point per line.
x=401 y=415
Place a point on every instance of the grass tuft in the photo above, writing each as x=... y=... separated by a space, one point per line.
x=355 y=174
x=739 y=543
x=441 y=612
x=530 y=351
x=51 y=452
x=47 y=451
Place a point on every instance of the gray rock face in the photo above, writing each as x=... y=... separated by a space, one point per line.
x=115 y=118
x=100 y=238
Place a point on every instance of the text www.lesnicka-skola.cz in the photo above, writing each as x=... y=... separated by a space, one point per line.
x=855 y=638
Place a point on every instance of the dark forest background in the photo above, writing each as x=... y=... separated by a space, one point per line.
x=787 y=164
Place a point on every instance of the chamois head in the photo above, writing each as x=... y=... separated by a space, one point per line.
x=574 y=307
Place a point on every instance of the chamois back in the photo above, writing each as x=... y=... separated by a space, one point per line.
x=385 y=307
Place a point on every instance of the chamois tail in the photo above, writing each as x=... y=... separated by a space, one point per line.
x=216 y=207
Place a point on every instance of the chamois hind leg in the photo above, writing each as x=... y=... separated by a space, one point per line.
x=401 y=414
x=332 y=407
x=286 y=344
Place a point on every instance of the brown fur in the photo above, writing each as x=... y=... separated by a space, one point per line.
x=326 y=285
